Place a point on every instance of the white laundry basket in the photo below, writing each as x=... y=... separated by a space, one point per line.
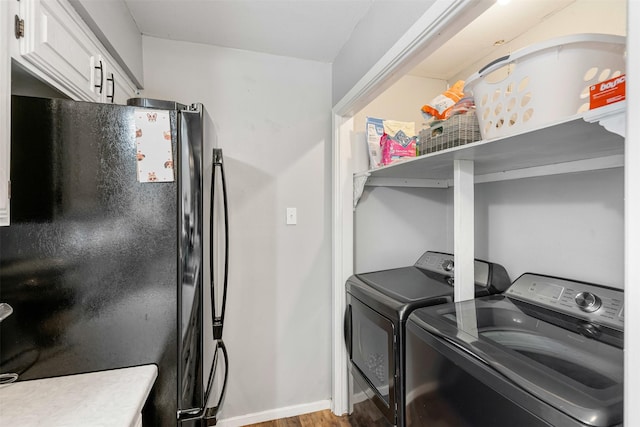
x=543 y=83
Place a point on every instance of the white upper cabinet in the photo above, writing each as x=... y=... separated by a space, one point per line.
x=55 y=46
x=118 y=87
x=5 y=117
x=110 y=83
x=114 y=26
x=59 y=48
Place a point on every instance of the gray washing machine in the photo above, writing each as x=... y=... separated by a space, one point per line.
x=378 y=305
x=547 y=352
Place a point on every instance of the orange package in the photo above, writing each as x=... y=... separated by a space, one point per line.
x=440 y=107
x=607 y=92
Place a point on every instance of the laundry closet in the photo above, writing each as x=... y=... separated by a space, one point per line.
x=549 y=199
x=566 y=224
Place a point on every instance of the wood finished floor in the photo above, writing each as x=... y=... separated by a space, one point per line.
x=316 y=419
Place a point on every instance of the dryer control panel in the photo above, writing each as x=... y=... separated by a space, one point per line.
x=444 y=264
x=594 y=303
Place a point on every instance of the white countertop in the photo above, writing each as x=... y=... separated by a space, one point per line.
x=99 y=399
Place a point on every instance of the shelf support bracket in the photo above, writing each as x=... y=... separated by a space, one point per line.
x=359 y=181
x=463 y=229
x=612 y=117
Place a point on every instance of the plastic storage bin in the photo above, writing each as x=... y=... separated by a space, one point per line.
x=543 y=83
x=457 y=130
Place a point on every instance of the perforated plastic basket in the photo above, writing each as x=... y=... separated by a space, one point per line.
x=543 y=83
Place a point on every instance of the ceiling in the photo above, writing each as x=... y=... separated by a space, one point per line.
x=318 y=29
x=481 y=37
x=305 y=29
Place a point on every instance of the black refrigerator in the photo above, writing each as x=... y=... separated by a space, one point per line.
x=116 y=255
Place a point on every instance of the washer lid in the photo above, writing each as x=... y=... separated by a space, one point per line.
x=543 y=352
x=408 y=284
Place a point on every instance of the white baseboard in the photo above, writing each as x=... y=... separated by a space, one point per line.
x=275 y=414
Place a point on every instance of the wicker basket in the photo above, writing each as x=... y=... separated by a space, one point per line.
x=458 y=130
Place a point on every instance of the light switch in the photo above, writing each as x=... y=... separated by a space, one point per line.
x=292 y=216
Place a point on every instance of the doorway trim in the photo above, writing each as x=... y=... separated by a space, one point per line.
x=440 y=22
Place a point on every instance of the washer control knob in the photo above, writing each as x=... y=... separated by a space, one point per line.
x=588 y=302
x=447 y=265
x=589 y=330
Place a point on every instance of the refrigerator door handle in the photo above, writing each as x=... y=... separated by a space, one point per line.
x=211 y=413
x=5 y=310
x=218 y=320
x=207 y=416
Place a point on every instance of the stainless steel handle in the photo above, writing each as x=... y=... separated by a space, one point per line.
x=218 y=318
x=211 y=413
x=5 y=311
x=207 y=415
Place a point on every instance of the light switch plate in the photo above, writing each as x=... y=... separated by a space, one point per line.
x=292 y=216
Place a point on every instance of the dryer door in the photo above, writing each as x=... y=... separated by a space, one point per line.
x=372 y=355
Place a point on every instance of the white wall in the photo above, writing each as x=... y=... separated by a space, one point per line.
x=402 y=101
x=394 y=226
x=391 y=227
x=379 y=29
x=568 y=225
x=272 y=117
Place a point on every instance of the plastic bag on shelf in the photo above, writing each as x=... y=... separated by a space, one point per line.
x=398 y=141
x=374 y=132
x=440 y=107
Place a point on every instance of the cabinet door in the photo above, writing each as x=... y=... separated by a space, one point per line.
x=58 y=45
x=5 y=108
x=118 y=88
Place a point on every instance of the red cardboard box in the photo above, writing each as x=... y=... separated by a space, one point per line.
x=607 y=92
